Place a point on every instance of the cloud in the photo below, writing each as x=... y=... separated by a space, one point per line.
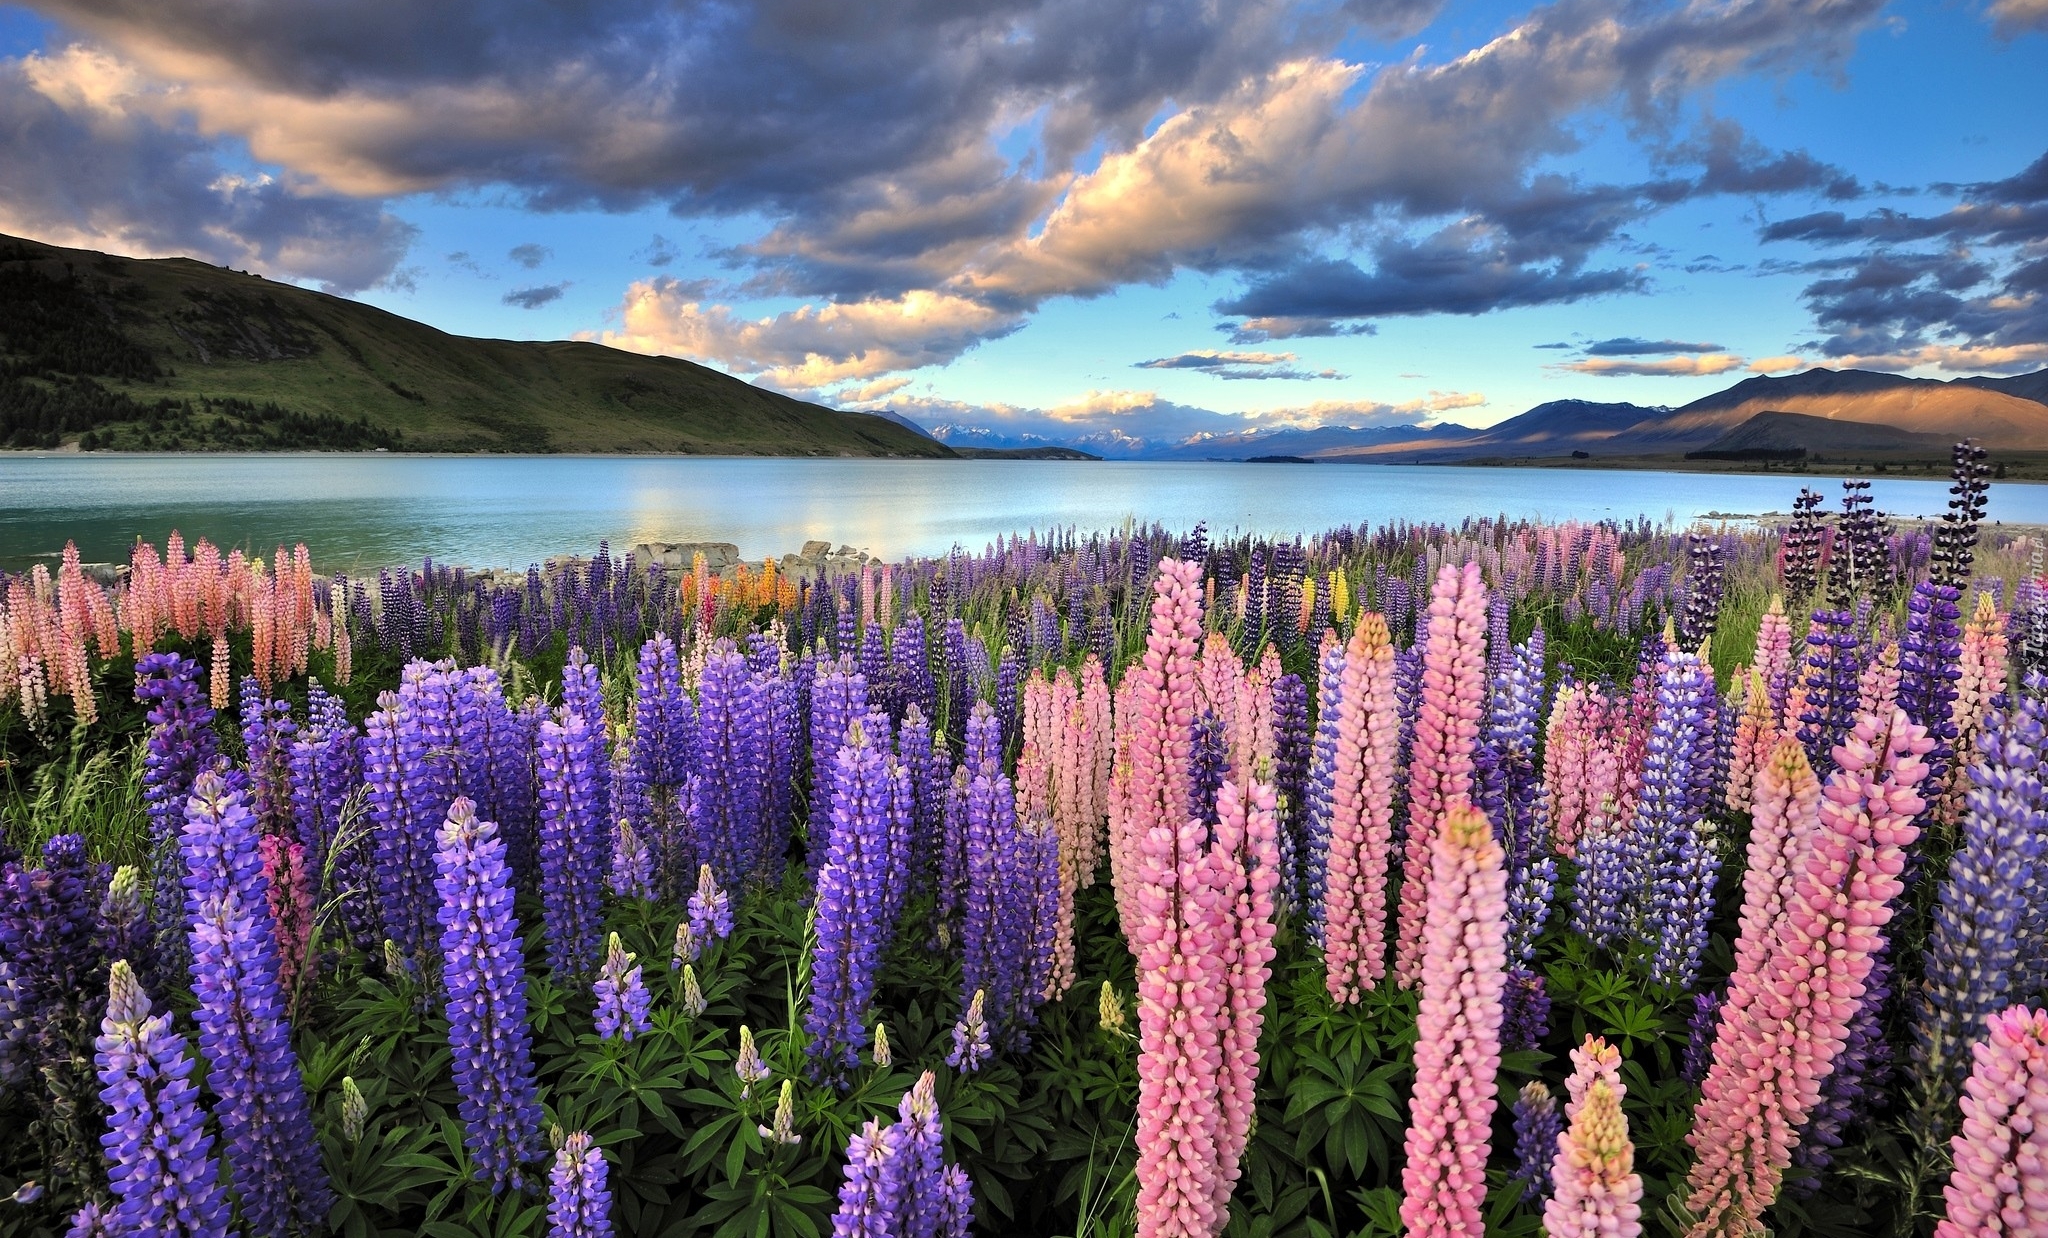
x=811 y=347
x=1961 y=288
x=2012 y=17
x=1237 y=365
x=1628 y=346
x=659 y=252
x=1778 y=365
x=534 y=298
x=95 y=160
x=1138 y=423
x=1160 y=136
x=530 y=255
x=1559 y=344
x=1670 y=367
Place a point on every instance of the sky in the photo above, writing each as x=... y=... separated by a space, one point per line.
x=1139 y=221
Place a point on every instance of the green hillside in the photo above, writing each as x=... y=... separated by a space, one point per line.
x=169 y=354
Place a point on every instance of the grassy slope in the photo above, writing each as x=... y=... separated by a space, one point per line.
x=227 y=334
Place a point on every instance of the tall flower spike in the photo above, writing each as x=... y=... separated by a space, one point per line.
x=1973 y=959
x=1446 y=732
x=1537 y=1127
x=242 y=1030
x=1457 y=1047
x=579 y=1205
x=485 y=976
x=748 y=1064
x=162 y=1170
x=1598 y=1193
x=1361 y=817
x=622 y=997
x=574 y=842
x=1785 y=1021
x=2001 y=1156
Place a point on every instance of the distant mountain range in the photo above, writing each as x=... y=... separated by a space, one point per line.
x=1819 y=410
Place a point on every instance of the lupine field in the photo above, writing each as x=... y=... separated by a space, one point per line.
x=1505 y=878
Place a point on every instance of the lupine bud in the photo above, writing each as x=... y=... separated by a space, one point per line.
x=693 y=997
x=354 y=1111
x=687 y=946
x=881 y=1052
x=710 y=908
x=970 y=1037
x=748 y=1065
x=784 y=1129
x=1110 y=1009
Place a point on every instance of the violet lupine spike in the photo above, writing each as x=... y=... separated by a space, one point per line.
x=658 y=761
x=181 y=745
x=484 y=974
x=621 y=993
x=1537 y=1126
x=579 y=1201
x=1525 y=824
x=243 y=1034
x=709 y=908
x=1525 y=1010
x=1830 y=675
x=575 y=849
x=162 y=1171
x=497 y=767
x=1670 y=816
x=1973 y=959
x=732 y=765
x=325 y=769
x=1699 y=1043
x=1292 y=743
x=1321 y=783
x=267 y=733
x=851 y=935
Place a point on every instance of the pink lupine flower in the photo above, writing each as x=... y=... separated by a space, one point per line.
x=1787 y=1016
x=1785 y=815
x=1877 y=686
x=1155 y=724
x=1983 y=665
x=1999 y=1188
x=291 y=907
x=1570 y=741
x=1756 y=734
x=1592 y=1062
x=1446 y=731
x=1597 y=1194
x=1457 y=1047
x=1361 y=814
x=1773 y=657
x=1245 y=869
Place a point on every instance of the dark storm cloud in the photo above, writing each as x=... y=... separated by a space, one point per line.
x=1959 y=288
x=91 y=171
x=534 y=298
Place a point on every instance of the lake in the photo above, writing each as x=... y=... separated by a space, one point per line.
x=363 y=511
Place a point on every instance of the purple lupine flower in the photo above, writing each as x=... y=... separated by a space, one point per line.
x=863 y=1211
x=484 y=974
x=732 y=757
x=1010 y=876
x=1525 y=1010
x=267 y=732
x=1208 y=760
x=162 y=1171
x=852 y=933
x=579 y=1203
x=928 y=771
x=325 y=769
x=1537 y=1127
x=1605 y=884
x=1252 y=630
x=1974 y=959
x=658 y=761
x=897 y=1182
x=984 y=738
x=710 y=908
x=1830 y=676
x=124 y=930
x=1701 y=1025
x=1678 y=899
x=1524 y=812
x=180 y=746
x=583 y=693
x=632 y=871
x=777 y=726
x=1704 y=574
x=622 y=996
x=49 y=926
x=959 y=680
x=1291 y=748
x=410 y=770
x=1009 y=679
x=1321 y=782
x=971 y=1046
x=1930 y=666
x=574 y=843
x=839 y=697
x=879 y=671
x=910 y=665
x=496 y=768
x=240 y=1012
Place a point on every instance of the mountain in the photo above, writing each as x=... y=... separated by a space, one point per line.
x=1774 y=431
x=1560 y=427
x=1951 y=410
x=1320 y=443
x=169 y=352
x=2027 y=386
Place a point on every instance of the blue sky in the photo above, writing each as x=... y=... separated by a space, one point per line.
x=1056 y=219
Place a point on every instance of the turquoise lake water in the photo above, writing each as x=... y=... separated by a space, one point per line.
x=361 y=511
